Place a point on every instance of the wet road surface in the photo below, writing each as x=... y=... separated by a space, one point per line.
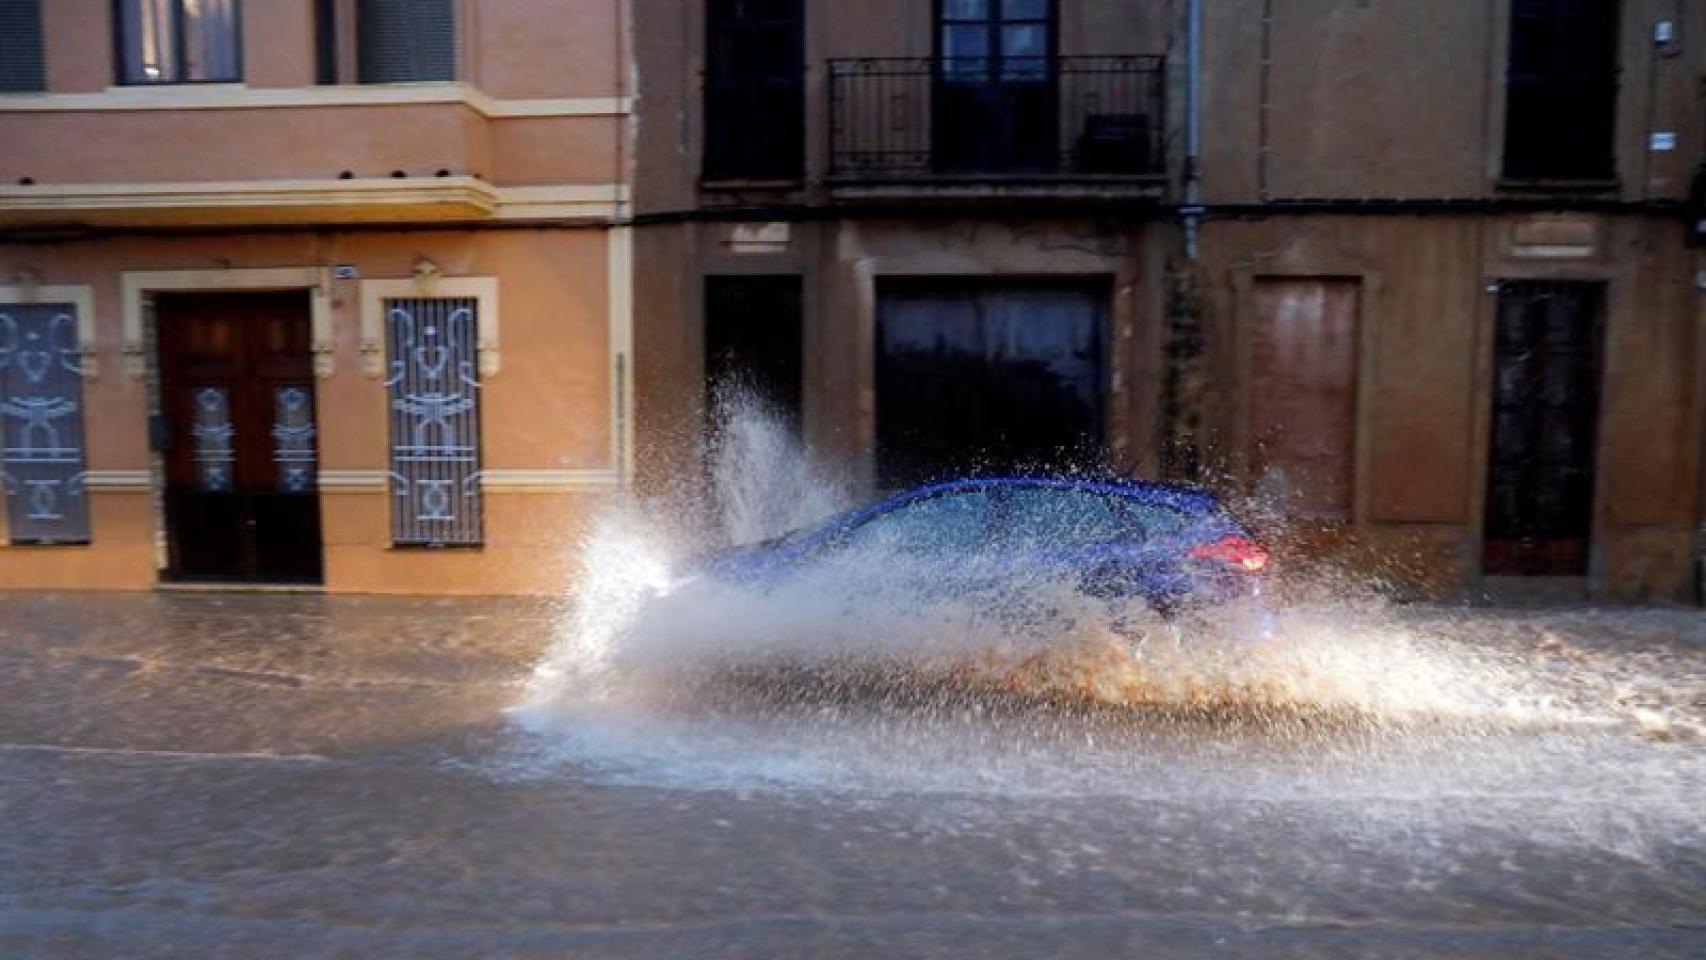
x=256 y=776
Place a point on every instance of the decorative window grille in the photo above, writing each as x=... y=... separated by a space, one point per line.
x=22 y=69
x=293 y=437
x=434 y=391
x=41 y=424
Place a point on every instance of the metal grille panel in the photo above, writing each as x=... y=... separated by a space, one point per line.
x=434 y=392
x=41 y=424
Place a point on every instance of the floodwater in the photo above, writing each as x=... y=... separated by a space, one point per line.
x=861 y=764
x=301 y=776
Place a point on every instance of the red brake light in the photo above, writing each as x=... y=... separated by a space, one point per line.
x=1240 y=553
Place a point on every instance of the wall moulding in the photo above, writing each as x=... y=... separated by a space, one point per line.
x=451 y=199
x=237 y=96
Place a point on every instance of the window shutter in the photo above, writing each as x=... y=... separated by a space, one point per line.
x=22 y=69
x=404 y=40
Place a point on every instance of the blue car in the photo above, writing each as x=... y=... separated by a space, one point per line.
x=1171 y=549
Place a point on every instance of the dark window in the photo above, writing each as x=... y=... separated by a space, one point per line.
x=951 y=523
x=179 y=41
x=753 y=343
x=976 y=377
x=326 y=41
x=1561 y=90
x=754 y=90
x=41 y=423
x=406 y=40
x=434 y=387
x=22 y=69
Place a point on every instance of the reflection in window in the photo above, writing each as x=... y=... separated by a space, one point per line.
x=179 y=41
x=1004 y=40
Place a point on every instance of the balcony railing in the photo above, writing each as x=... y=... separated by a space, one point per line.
x=922 y=119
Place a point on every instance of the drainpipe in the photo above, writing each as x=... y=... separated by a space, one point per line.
x=1192 y=210
x=1699 y=320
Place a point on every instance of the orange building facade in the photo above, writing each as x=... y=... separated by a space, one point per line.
x=329 y=294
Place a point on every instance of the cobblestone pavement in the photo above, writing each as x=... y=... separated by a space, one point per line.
x=216 y=775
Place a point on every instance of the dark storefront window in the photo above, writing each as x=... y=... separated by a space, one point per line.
x=1561 y=90
x=754 y=90
x=988 y=377
x=179 y=41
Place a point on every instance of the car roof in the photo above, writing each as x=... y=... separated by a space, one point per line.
x=1181 y=498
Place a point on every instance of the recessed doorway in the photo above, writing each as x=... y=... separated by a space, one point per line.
x=239 y=437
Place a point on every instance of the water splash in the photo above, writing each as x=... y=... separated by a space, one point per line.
x=763 y=484
x=861 y=669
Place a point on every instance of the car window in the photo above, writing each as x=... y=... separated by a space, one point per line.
x=949 y=523
x=1043 y=518
x=1151 y=519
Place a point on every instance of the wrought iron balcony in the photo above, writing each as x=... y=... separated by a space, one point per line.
x=957 y=120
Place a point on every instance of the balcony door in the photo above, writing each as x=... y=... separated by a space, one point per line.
x=237 y=394
x=995 y=103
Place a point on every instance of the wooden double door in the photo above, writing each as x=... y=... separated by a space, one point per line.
x=238 y=431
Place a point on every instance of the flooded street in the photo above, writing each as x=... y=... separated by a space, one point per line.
x=287 y=776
